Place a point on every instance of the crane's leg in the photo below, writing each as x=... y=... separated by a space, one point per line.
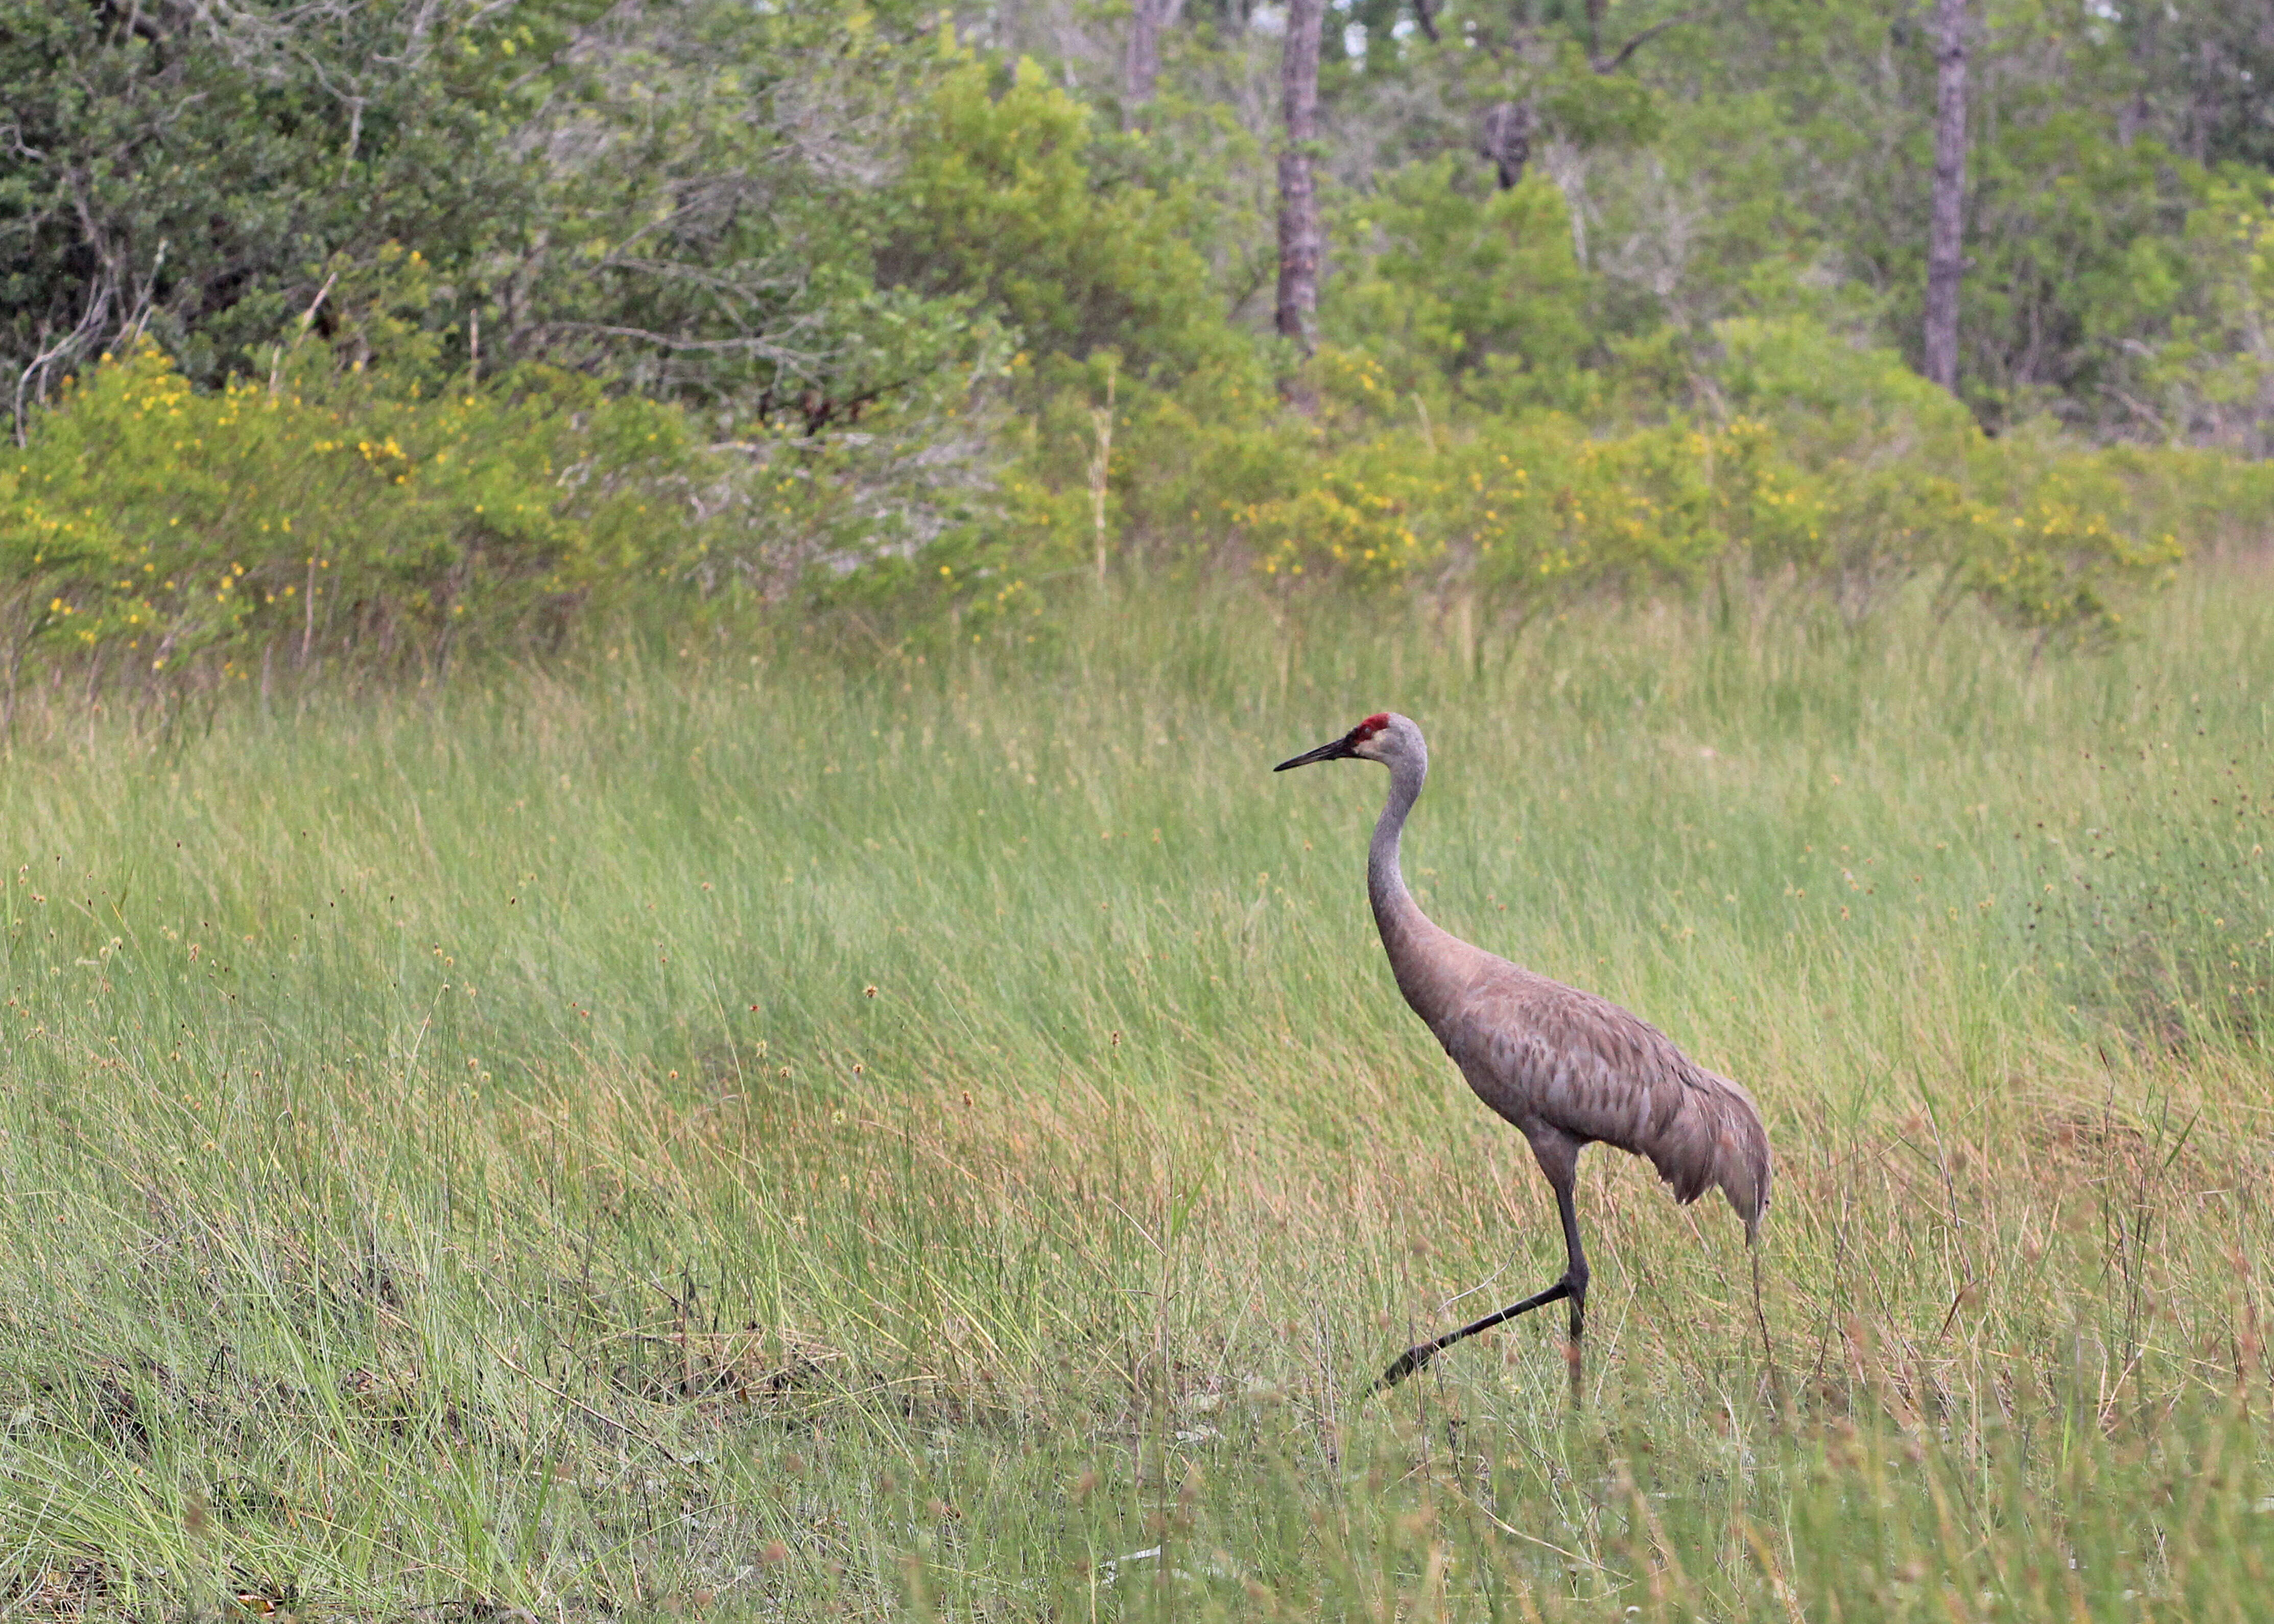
x=1414 y=1358
x=1574 y=1275
x=1559 y=1159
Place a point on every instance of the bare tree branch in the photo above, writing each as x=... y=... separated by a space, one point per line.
x=1618 y=58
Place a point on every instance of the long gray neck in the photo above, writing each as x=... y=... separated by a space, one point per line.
x=1396 y=913
x=1430 y=965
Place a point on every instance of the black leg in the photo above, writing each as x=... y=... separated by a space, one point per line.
x=1575 y=1277
x=1573 y=1287
x=1414 y=1358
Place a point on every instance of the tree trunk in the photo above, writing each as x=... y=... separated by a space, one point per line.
x=1506 y=139
x=1946 y=232
x=1300 y=235
x=1142 y=68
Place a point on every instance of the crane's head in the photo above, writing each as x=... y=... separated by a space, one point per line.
x=1385 y=737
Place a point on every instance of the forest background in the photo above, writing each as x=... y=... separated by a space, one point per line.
x=371 y=332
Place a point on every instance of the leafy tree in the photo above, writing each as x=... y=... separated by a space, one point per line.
x=1000 y=207
x=1451 y=283
x=180 y=169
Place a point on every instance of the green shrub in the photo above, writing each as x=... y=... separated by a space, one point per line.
x=361 y=502
x=1525 y=510
x=324 y=510
x=1806 y=459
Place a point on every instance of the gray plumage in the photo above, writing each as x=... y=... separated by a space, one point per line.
x=1566 y=1068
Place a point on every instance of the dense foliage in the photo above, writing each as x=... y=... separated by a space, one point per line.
x=922 y=312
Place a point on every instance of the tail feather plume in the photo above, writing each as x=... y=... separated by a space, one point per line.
x=1716 y=1138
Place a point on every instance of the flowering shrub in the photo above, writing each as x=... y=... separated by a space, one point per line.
x=316 y=511
x=1806 y=460
x=1528 y=509
x=158 y=533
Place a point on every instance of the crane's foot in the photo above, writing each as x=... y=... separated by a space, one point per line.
x=1403 y=1366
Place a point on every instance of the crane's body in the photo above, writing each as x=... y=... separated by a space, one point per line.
x=1566 y=1068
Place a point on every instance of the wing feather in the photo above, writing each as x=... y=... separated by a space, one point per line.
x=1548 y=1055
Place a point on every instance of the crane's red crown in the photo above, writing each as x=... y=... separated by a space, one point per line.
x=1372 y=725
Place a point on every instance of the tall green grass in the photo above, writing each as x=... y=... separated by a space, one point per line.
x=759 y=1135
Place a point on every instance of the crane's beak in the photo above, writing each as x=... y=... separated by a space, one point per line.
x=1339 y=750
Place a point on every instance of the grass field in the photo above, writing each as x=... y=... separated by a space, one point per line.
x=754 y=1137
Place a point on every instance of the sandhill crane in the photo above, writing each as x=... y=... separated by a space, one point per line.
x=1567 y=1068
